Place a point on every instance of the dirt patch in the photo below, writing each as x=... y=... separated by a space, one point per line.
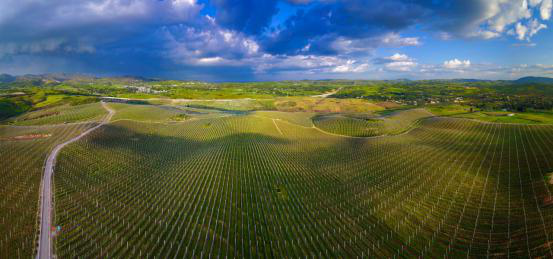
x=547 y=201
x=27 y=137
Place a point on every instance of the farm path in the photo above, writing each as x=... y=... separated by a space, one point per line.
x=327 y=94
x=279 y=131
x=45 y=239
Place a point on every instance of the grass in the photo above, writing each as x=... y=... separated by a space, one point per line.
x=240 y=187
x=448 y=110
x=545 y=117
x=461 y=111
x=508 y=117
x=51 y=99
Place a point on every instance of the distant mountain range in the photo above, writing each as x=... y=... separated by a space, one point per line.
x=534 y=80
x=5 y=78
x=61 y=77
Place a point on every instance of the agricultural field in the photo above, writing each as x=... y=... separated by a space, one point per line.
x=310 y=104
x=23 y=150
x=60 y=115
x=359 y=125
x=163 y=113
x=448 y=110
x=179 y=180
x=151 y=113
x=299 y=118
x=260 y=185
x=230 y=105
x=511 y=117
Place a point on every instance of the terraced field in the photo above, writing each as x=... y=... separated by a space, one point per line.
x=23 y=150
x=257 y=185
x=367 y=125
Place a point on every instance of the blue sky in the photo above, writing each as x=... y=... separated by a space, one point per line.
x=233 y=40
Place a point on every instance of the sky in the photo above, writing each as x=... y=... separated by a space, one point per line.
x=260 y=40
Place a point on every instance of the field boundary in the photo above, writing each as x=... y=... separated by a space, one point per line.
x=407 y=130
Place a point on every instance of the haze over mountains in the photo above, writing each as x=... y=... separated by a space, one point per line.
x=60 y=77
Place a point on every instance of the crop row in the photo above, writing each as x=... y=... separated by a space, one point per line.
x=371 y=126
x=23 y=151
x=241 y=187
x=61 y=114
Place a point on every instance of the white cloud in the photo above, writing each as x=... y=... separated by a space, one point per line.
x=35 y=26
x=344 y=45
x=485 y=34
x=210 y=44
x=398 y=57
x=399 y=63
x=394 y=39
x=210 y=60
x=520 y=31
x=545 y=9
x=501 y=13
x=351 y=67
x=519 y=18
x=402 y=66
x=525 y=32
x=456 y=64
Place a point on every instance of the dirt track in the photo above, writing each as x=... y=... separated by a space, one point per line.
x=45 y=239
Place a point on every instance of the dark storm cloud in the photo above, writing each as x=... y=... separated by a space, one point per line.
x=96 y=36
x=321 y=25
x=326 y=21
x=248 y=16
x=154 y=37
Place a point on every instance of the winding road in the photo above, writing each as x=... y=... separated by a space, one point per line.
x=45 y=239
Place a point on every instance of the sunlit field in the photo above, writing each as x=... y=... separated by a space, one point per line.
x=249 y=185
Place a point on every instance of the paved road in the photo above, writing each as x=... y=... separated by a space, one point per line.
x=45 y=239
